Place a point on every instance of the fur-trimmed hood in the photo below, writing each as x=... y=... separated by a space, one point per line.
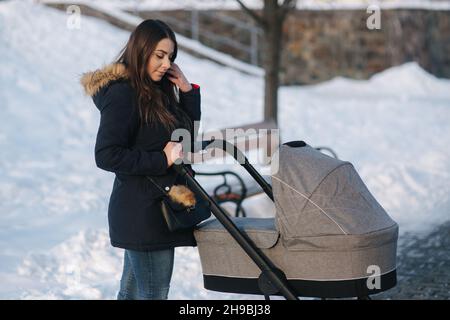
x=93 y=81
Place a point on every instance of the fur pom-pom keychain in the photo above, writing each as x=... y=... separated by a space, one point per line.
x=182 y=195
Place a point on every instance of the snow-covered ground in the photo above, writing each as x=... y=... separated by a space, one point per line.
x=53 y=200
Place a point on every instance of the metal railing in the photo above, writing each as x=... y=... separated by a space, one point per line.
x=191 y=27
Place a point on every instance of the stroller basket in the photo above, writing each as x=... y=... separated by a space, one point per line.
x=329 y=238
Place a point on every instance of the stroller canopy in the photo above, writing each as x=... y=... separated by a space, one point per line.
x=322 y=203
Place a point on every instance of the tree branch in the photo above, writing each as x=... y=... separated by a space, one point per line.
x=252 y=14
x=286 y=6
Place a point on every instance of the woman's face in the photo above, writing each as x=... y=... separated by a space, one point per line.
x=159 y=61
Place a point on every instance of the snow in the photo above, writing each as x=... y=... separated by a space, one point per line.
x=53 y=200
x=257 y=4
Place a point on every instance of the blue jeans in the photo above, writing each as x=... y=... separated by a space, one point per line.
x=146 y=275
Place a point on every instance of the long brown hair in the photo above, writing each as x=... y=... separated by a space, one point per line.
x=154 y=99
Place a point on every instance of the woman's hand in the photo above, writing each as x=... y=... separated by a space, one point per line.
x=175 y=75
x=173 y=151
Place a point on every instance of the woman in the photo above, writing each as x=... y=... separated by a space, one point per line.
x=137 y=98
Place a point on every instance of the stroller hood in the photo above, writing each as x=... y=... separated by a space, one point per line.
x=320 y=199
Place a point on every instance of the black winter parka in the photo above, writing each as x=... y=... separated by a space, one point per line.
x=131 y=152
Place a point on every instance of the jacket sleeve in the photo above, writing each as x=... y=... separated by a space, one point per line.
x=190 y=102
x=113 y=151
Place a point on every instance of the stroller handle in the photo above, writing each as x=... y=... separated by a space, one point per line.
x=239 y=157
x=271 y=275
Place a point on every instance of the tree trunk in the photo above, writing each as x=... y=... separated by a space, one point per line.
x=272 y=50
x=273 y=16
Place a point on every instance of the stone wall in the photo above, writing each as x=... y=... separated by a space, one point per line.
x=322 y=44
x=319 y=45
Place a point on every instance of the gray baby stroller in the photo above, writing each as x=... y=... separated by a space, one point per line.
x=329 y=239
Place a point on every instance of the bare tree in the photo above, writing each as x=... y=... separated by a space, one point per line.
x=271 y=21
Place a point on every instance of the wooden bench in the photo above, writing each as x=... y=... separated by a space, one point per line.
x=233 y=189
x=260 y=135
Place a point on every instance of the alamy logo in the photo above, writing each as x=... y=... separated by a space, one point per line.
x=264 y=140
x=374 y=20
x=74 y=19
x=374 y=280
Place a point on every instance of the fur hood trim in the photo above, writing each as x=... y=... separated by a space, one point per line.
x=93 y=81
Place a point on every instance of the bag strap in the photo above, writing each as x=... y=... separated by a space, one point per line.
x=158 y=186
